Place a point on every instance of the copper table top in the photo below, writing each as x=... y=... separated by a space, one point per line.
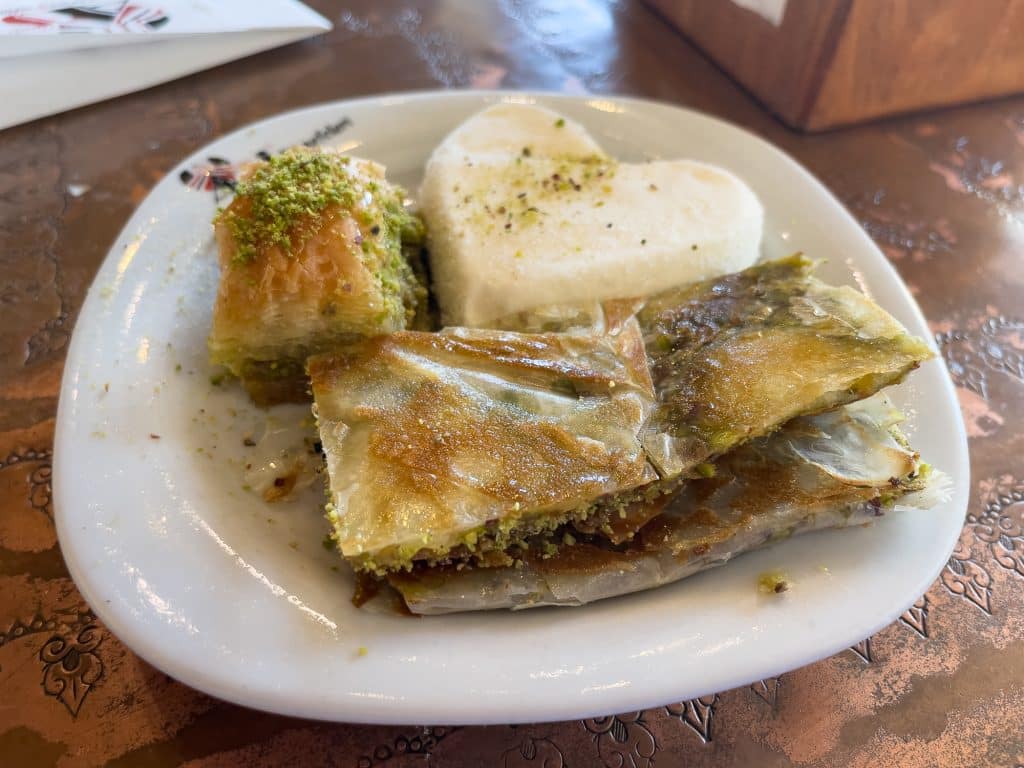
x=941 y=193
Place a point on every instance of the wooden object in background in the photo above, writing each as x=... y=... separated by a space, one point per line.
x=833 y=62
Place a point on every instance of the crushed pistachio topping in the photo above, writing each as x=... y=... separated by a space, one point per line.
x=283 y=198
x=535 y=183
x=705 y=469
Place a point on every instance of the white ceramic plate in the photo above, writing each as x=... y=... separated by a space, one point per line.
x=238 y=598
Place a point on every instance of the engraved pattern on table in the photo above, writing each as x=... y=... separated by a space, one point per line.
x=71 y=666
x=623 y=741
x=950 y=228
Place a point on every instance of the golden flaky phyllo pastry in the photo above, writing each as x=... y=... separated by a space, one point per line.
x=842 y=468
x=313 y=253
x=442 y=444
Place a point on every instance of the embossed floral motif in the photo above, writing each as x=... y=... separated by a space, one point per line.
x=916 y=616
x=534 y=752
x=698 y=714
x=1000 y=525
x=965 y=367
x=767 y=689
x=966 y=171
x=965 y=576
x=53 y=335
x=35 y=625
x=995 y=534
x=71 y=666
x=864 y=650
x=418 y=744
x=623 y=741
x=899 y=232
x=66 y=620
x=1002 y=345
x=982 y=347
x=438 y=49
x=39 y=477
x=41 y=493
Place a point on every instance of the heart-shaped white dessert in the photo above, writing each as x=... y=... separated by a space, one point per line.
x=524 y=210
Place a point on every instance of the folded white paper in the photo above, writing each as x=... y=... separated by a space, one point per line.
x=56 y=56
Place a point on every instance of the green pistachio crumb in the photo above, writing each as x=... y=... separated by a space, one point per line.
x=560 y=122
x=283 y=195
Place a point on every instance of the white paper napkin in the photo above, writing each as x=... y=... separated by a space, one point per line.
x=60 y=55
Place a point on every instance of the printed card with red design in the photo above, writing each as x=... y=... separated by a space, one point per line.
x=41 y=41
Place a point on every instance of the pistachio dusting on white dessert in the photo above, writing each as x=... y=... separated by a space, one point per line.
x=525 y=210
